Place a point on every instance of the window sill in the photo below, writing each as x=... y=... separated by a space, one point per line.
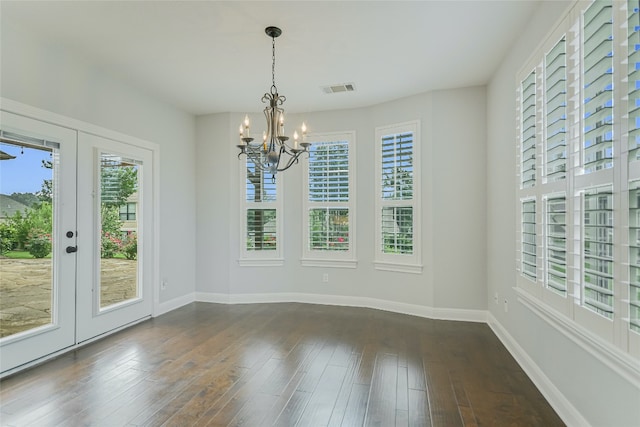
x=334 y=263
x=617 y=360
x=398 y=268
x=267 y=262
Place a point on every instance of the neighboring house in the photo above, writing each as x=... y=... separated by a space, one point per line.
x=128 y=214
x=8 y=207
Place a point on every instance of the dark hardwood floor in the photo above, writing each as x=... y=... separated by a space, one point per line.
x=281 y=364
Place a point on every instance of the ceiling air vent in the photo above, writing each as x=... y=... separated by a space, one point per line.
x=343 y=87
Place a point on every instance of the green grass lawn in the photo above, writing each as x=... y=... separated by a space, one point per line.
x=27 y=255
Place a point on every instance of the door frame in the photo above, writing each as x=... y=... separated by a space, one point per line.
x=38 y=114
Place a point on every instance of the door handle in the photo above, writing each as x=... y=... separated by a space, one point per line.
x=72 y=249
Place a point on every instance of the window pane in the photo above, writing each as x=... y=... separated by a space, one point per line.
x=397 y=167
x=598 y=87
x=329 y=172
x=528 y=132
x=260 y=186
x=556 y=246
x=329 y=229
x=397 y=230
x=598 y=251
x=261 y=229
x=529 y=250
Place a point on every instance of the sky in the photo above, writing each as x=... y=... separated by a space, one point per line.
x=25 y=173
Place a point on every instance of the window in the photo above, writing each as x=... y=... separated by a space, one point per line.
x=578 y=202
x=261 y=218
x=329 y=202
x=398 y=198
x=128 y=212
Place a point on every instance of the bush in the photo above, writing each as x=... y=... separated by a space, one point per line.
x=39 y=243
x=130 y=246
x=7 y=236
x=110 y=245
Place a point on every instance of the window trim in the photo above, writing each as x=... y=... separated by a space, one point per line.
x=335 y=259
x=399 y=262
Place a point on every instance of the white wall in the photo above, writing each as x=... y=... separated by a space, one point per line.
x=49 y=77
x=453 y=151
x=599 y=396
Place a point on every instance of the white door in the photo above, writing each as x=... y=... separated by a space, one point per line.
x=38 y=258
x=115 y=242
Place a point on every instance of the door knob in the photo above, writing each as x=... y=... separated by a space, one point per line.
x=72 y=249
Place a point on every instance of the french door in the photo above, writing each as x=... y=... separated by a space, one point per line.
x=77 y=238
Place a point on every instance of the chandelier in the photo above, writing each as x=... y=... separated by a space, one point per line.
x=273 y=154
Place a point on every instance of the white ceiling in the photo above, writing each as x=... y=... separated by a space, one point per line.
x=213 y=56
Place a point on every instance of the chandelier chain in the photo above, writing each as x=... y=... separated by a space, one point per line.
x=274 y=90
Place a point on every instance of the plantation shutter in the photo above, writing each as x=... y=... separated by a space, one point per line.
x=397 y=189
x=528 y=132
x=598 y=251
x=529 y=257
x=598 y=86
x=556 y=247
x=329 y=196
x=261 y=225
x=633 y=21
x=634 y=255
x=556 y=114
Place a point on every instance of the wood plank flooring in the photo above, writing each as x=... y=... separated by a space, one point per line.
x=281 y=364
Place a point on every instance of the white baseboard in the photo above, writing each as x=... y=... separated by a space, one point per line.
x=350 y=301
x=167 y=306
x=569 y=414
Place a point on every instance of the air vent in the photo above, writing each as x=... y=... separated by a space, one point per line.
x=343 y=87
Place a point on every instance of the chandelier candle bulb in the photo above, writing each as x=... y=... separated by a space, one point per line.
x=295 y=140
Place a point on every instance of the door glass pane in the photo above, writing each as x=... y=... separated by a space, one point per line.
x=26 y=234
x=120 y=228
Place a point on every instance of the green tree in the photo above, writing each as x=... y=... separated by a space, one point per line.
x=117 y=183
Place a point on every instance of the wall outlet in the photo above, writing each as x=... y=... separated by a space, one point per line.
x=325 y=278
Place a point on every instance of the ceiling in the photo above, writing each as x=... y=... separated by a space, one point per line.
x=213 y=56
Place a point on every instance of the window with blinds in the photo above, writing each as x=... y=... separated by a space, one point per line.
x=397 y=199
x=597 y=256
x=633 y=34
x=598 y=87
x=397 y=185
x=329 y=190
x=261 y=214
x=329 y=201
x=528 y=131
x=555 y=74
x=556 y=245
x=529 y=264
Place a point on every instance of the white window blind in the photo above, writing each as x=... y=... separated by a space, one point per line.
x=397 y=201
x=529 y=250
x=597 y=258
x=556 y=245
x=397 y=185
x=328 y=187
x=556 y=112
x=598 y=87
x=634 y=256
x=329 y=201
x=261 y=216
x=528 y=131
x=633 y=33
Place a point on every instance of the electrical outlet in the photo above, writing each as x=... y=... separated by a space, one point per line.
x=325 y=278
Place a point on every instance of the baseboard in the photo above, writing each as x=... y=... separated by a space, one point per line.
x=349 y=301
x=167 y=306
x=569 y=414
